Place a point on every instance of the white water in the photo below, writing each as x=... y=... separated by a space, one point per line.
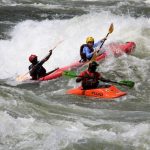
x=57 y=134
x=42 y=118
x=33 y=37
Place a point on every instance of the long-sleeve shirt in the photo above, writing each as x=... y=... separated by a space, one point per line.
x=88 y=52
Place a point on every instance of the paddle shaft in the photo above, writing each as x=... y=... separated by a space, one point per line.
x=111 y=82
x=45 y=56
x=19 y=78
x=88 y=78
x=111 y=28
x=104 y=41
x=99 y=79
x=37 y=64
x=118 y=83
x=73 y=75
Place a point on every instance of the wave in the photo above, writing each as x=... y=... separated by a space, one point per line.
x=37 y=37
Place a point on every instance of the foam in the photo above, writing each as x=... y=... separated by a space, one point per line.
x=34 y=37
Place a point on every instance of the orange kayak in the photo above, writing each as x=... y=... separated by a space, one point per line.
x=110 y=92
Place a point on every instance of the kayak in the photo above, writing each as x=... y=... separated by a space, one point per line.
x=108 y=93
x=115 y=48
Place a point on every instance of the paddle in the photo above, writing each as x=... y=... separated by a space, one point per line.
x=111 y=29
x=127 y=83
x=25 y=77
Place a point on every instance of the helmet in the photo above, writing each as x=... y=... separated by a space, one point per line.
x=93 y=66
x=32 y=58
x=89 y=39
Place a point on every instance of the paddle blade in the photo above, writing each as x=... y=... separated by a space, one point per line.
x=21 y=78
x=70 y=74
x=111 y=28
x=127 y=83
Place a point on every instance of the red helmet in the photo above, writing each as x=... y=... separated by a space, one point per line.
x=32 y=58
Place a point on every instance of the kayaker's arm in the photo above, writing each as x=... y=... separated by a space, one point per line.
x=104 y=80
x=99 y=43
x=81 y=76
x=87 y=52
x=52 y=71
x=46 y=58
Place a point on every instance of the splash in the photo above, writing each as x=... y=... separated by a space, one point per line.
x=34 y=37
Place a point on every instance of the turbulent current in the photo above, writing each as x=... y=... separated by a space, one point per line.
x=39 y=115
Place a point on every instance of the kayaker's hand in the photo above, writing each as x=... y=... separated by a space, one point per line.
x=50 y=52
x=79 y=79
x=98 y=51
x=93 y=52
x=104 y=39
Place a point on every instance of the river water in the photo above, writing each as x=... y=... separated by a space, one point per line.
x=40 y=116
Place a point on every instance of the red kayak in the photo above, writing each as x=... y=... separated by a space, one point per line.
x=108 y=93
x=115 y=48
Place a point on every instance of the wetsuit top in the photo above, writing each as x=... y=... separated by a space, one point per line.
x=91 y=81
x=38 y=72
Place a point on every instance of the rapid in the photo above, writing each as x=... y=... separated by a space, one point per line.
x=40 y=116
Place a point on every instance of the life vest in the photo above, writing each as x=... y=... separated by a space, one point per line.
x=91 y=81
x=83 y=55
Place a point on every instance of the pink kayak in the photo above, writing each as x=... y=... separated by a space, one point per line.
x=115 y=48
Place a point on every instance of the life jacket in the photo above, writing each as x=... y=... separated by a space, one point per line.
x=91 y=81
x=83 y=55
x=37 y=73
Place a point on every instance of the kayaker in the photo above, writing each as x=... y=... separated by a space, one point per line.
x=87 y=50
x=36 y=69
x=90 y=78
